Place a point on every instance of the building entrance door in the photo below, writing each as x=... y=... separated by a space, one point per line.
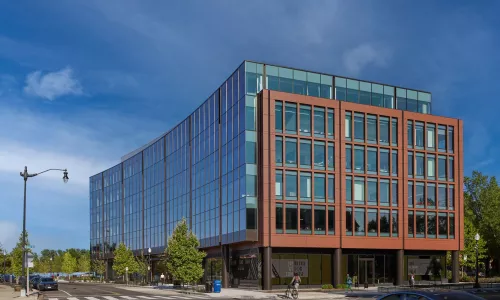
x=366 y=271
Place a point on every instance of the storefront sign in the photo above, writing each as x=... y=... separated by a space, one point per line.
x=287 y=267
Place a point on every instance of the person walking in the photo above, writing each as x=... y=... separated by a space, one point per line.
x=349 y=283
x=412 y=280
x=162 y=278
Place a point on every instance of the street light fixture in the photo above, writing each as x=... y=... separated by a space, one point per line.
x=149 y=266
x=25 y=175
x=476 y=284
x=465 y=260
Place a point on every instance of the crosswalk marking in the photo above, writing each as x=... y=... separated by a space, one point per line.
x=150 y=297
x=109 y=298
x=145 y=297
x=127 y=297
x=91 y=298
x=73 y=298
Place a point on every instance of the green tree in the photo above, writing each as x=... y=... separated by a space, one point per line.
x=69 y=264
x=98 y=266
x=84 y=262
x=470 y=243
x=184 y=260
x=142 y=266
x=124 y=258
x=17 y=256
x=482 y=199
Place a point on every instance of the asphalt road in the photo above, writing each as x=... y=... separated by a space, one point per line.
x=87 y=291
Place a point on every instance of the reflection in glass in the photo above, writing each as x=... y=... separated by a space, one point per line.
x=291 y=152
x=291 y=118
x=279 y=218
x=359 y=220
x=291 y=218
x=420 y=224
x=372 y=129
x=278 y=110
x=305 y=154
x=385 y=223
x=305 y=219
x=291 y=185
x=359 y=127
x=372 y=222
x=319 y=155
x=411 y=224
x=305 y=120
x=384 y=130
x=431 y=224
x=372 y=160
x=319 y=219
x=331 y=220
x=305 y=186
x=319 y=122
x=279 y=151
x=443 y=225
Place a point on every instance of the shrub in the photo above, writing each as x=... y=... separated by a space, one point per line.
x=327 y=287
x=341 y=286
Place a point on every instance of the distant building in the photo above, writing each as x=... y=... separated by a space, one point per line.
x=283 y=170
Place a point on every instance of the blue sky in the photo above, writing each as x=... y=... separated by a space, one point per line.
x=84 y=82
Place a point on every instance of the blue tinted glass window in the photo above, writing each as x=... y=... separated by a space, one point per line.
x=319 y=187
x=359 y=127
x=278 y=110
x=305 y=154
x=348 y=158
x=291 y=118
x=372 y=160
x=305 y=120
x=319 y=122
x=359 y=159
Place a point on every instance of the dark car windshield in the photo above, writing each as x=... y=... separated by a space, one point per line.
x=46 y=280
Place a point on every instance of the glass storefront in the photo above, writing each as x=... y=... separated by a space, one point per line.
x=246 y=269
x=372 y=269
x=313 y=269
x=426 y=268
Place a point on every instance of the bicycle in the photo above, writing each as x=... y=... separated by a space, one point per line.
x=291 y=292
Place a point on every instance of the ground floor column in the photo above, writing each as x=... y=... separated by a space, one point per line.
x=337 y=267
x=225 y=266
x=400 y=260
x=455 y=265
x=267 y=265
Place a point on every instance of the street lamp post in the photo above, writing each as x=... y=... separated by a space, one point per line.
x=149 y=264
x=476 y=284
x=4 y=255
x=25 y=176
x=52 y=275
x=465 y=260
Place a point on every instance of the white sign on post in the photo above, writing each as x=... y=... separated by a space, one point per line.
x=29 y=261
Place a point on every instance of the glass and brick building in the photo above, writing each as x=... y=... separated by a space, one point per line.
x=283 y=170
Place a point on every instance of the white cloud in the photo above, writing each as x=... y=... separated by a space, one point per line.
x=52 y=85
x=356 y=59
x=9 y=233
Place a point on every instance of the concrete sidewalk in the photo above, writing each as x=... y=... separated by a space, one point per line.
x=7 y=292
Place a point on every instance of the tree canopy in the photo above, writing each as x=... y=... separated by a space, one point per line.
x=183 y=258
x=124 y=258
x=69 y=264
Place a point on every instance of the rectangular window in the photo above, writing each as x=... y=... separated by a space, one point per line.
x=420 y=224
x=372 y=222
x=331 y=156
x=441 y=138
x=305 y=154
x=348 y=221
x=359 y=190
x=451 y=169
x=451 y=197
x=443 y=225
x=279 y=151
x=395 y=193
x=384 y=192
x=394 y=132
x=331 y=220
x=371 y=166
x=291 y=185
x=410 y=164
x=371 y=129
x=410 y=134
x=450 y=139
x=305 y=120
x=279 y=185
x=348 y=126
x=372 y=191
x=331 y=189
x=279 y=218
x=394 y=223
x=291 y=218
x=331 y=119
x=365 y=93
x=451 y=223
x=291 y=118
x=384 y=130
x=431 y=195
x=410 y=194
x=442 y=167
x=291 y=152
x=411 y=224
x=359 y=159
x=319 y=219
x=319 y=187
x=278 y=110
x=431 y=166
x=319 y=122
x=348 y=189
x=348 y=158
x=442 y=196
x=305 y=219
x=359 y=127
x=352 y=91
x=419 y=135
x=431 y=225
x=431 y=136
x=420 y=198
x=359 y=220
x=394 y=163
x=420 y=165
x=305 y=186
x=385 y=222
x=319 y=155
x=384 y=161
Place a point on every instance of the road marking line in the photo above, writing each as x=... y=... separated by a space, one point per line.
x=197 y=297
x=53 y=299
x=110 y=297
x=91 y=298
x=73 y=298
x=128 y=297
x=164 y=297
x=65 y=292
x=145 y=297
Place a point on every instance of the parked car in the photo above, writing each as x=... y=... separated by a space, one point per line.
x=46 y=283
x=34 y=280
x=430 y=295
